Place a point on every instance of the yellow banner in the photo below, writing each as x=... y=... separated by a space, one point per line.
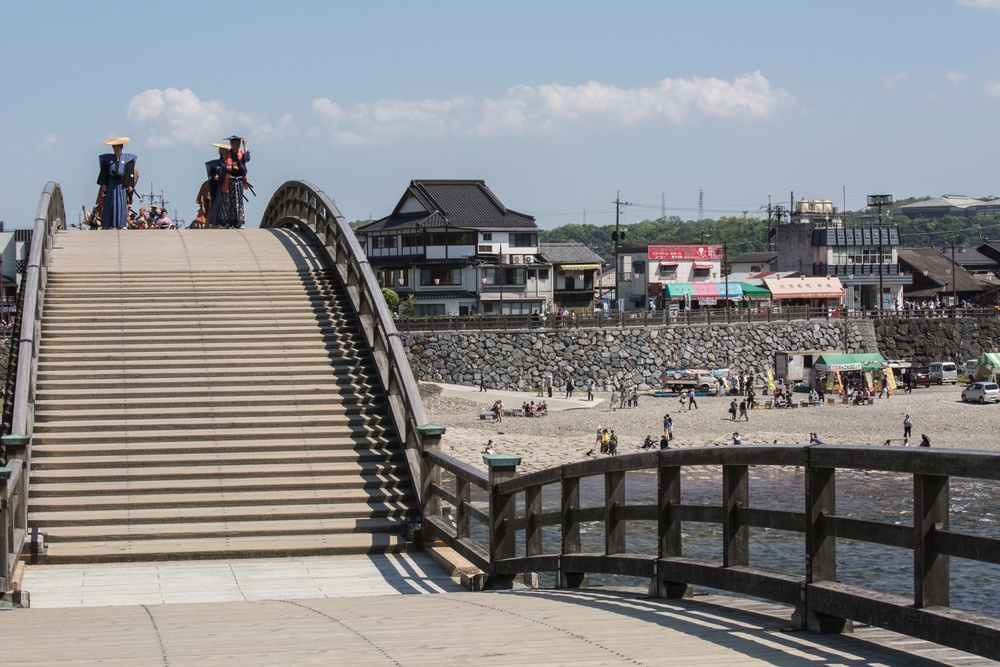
x=770 y=380
x=890 y=380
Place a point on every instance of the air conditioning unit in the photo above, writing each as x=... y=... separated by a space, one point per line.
x=510 y=259
x=529 y=259
x=485 y=249
x=518 y=259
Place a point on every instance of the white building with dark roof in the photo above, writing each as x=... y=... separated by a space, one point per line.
x=575 y=270
x=458 y=250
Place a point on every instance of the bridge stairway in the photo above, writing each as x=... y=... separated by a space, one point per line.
x=207 y=394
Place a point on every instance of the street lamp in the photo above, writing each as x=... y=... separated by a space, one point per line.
x=878 y=201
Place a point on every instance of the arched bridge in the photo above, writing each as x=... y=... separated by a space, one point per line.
x=230 y=393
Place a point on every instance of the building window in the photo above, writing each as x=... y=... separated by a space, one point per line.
x=523 y=240
x=669 y=274
x=511 y=275
x=393 y=278
x=428 y=309
x=639 y=268
x=539 y=274
x=411 y=240
x=487 y=236
x=702 y=273
x=384 y=242
x=435 y=277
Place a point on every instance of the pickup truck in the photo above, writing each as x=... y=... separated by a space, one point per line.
x=683 y=380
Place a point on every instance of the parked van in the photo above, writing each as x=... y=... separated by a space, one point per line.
x=970 y=368
x=943 y=371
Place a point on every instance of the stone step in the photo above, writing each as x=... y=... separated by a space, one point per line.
x=198 y=414
x=318 y=351
x=252 y=528
x=269 y=511
x=92 y=437
x=136 y=420
x=152 y=399
x=196 y=381
x=360 y=459
x=112 y=470
x=365 y=446
x=107 y=365
x=219 y=480
x=271 y=546
x=220 y=498
x=178 y=393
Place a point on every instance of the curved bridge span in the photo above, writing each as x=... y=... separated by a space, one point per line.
x=227 y=393
x=209 y=393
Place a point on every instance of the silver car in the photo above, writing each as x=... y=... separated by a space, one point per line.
x=981 y=392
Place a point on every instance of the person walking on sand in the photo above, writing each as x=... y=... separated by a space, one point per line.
x=691 y=401
x=613 y=443
x=590 y=389
x=605 y=441
x=743 y=411
x=732 y=410
x=668 y=425
x=907 y=428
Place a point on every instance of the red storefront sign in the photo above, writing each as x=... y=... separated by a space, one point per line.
x=657 y=252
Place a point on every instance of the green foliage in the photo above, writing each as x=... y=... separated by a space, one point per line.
x=406 y=307
x=750 y=234
x=391 y=299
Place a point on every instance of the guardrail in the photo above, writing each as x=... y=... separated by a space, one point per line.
x=510 y=532
x=51 y=217
x=665 y=318
x=300 y=205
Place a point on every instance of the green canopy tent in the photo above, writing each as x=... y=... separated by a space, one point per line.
x=849 y=362
x=987 y=366
x=754 y=292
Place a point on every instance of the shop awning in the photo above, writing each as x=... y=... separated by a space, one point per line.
x=668 y=263
x=703 y=265
x=579 y=267
x=753 y=292
x=849 y=362
x=808 y=287
x=677 y=291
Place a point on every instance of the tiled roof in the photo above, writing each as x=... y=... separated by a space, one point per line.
x=754 y=257
x=968 y=257
x=454 y=204
x=568 y=253
x=938 y=267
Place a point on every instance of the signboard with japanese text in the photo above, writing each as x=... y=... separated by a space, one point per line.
x=657 y=252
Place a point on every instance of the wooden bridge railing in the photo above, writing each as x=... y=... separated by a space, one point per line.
x=51 y=217
x=300 y=205
x=511 y=528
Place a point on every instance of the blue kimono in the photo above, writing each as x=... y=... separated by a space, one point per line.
x=118 y=176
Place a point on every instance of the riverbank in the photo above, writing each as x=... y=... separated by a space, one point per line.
x=568 y=434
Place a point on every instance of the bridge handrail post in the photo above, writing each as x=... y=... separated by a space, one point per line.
x=821 y=547
x=735 y=533
x=668 y=491
x=570 y=543
x=931 y=569
x=614 y=499
x=503 y=516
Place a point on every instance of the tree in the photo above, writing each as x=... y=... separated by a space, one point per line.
x=391 y=299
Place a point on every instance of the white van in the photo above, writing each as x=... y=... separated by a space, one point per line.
x=943 y=371
x=970 y=368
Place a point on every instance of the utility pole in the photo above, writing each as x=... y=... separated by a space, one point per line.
x=878 y=201
x=617 y=236
x=954 y=290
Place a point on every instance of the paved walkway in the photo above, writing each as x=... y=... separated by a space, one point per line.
x=537 y=628
x=514 y=399
x=120 y=584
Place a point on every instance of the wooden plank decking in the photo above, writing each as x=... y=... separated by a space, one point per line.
x=537 y=627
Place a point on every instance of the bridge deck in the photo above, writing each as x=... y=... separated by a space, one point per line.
x=526 y=627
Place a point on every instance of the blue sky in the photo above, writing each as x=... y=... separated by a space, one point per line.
x=556 y=105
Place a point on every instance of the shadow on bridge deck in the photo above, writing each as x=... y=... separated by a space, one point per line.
x=527 y=627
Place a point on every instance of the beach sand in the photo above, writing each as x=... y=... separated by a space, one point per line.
x=569 y=434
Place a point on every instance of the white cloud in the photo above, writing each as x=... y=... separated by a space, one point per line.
x=956 y=78
x=181 y=117
x=891 y=80
x=527 y=109
x=992 y=88
x=988 y=5
x=48 y=142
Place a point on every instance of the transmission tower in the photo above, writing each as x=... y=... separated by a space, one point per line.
x=701 y=204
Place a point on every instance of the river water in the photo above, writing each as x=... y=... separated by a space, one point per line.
x=887 y=497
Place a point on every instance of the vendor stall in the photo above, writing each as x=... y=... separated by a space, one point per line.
x=840 y=371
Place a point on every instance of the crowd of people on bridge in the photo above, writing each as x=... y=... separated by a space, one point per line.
x=220 y=198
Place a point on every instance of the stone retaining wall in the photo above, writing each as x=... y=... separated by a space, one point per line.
x=923 y=340
x=519 y=360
